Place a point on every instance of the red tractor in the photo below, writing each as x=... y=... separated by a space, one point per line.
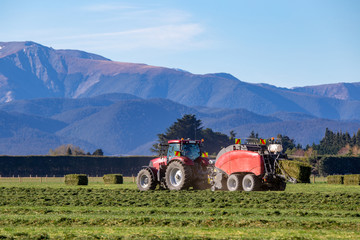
x=251 y=166
x=181 y=165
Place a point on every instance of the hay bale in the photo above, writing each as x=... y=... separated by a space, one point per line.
x=352 y=179
x=113 y=179
x=335 y=179
x=76 y=179
x=299 y=170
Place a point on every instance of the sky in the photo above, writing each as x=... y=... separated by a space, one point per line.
x=286 y=43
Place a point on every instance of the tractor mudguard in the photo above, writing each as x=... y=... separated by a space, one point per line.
x=157 y=162
x=184 y=160
x=153 y=171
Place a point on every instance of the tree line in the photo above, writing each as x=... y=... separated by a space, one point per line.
x=338 y=143
x=71 y=150
x=190 y=127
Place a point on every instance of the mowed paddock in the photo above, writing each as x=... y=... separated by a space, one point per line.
x=46 y=208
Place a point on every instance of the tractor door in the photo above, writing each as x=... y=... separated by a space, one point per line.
x=171 y=151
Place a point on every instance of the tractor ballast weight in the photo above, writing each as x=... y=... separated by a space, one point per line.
x=181 y=165
x=251 y=166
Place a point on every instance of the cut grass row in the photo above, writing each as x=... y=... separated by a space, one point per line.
x=144 y=232
x=53 y=210
x=22 y=196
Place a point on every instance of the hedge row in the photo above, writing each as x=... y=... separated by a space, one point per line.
x=62 y=165
x=299 y=170
x=353 y=179
x=76 y=179
x=334 y=165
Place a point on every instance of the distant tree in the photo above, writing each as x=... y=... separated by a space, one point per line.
x=98 y=152
x=353 y=140
x=338 y=143
x=253 y=134
x=358 y=138
x=232 y=135
x=190 y=127
x=214 y=141
x=287 y=143
x=186 y=127
x=68 y=149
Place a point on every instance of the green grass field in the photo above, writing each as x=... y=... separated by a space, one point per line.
x=34 y=208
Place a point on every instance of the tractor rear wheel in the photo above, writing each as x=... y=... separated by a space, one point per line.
x=234 y=182
x=178 y=176
x=251 y=183
x=145 y=180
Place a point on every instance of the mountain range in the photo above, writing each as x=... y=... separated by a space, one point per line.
x=51 y=97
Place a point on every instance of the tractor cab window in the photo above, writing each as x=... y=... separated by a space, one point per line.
x=191 y=151
x=171 y=150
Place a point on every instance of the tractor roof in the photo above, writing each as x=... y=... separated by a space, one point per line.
x=184 y=141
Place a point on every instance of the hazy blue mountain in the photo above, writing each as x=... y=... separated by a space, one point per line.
x=12 y=121
x=29 y=70
x=22 y=134
x=125 y=124
x=290 y=116
x=224 y=120
x=48 y=107
x=343 y=91
x=51 y=97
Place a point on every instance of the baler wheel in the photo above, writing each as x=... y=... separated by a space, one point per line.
x=178 y=176
x=251 y=183
x=145 y=180
x=234 y=182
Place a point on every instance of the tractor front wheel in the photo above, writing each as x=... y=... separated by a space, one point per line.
x=178 y=176
x=251 y=183
x=145 y=180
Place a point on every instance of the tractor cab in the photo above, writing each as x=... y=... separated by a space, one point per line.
x=181 y=165
x=184 y=148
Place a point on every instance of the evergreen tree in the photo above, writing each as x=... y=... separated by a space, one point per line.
x=347 y=138
x=232 y=135
x=253 y=134
x=332 y=142
x=190 y=127
x=215 y=141
x=186 y=127
x=287 y=143
x=353 y=140
x=358 y=138
x=98 y=152
x=68 y=151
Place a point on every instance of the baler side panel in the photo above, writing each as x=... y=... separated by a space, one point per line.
x=241 y=161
